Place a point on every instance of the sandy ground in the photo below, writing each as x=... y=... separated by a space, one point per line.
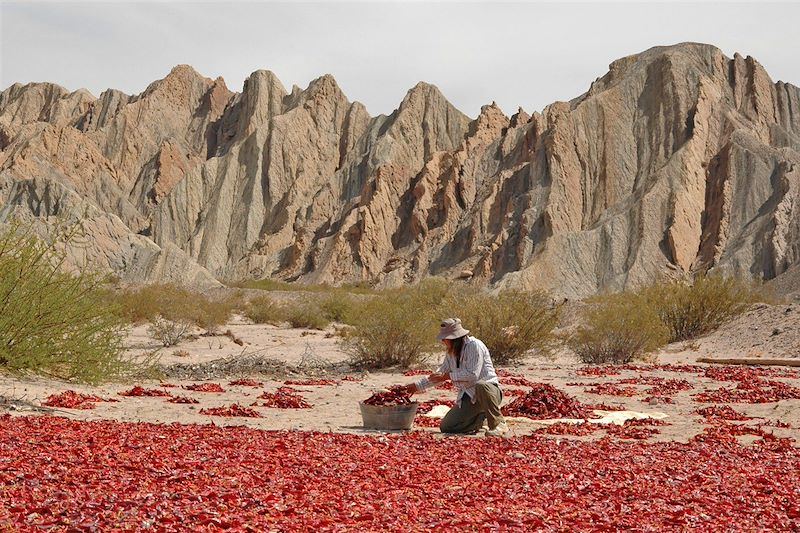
x=335 y=407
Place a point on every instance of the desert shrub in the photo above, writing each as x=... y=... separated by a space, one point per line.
x=264 y=310
x=278 y=285
x=54 y=322
x=395 y=328
x=338 y=306
x=139 y=305
x=689 y=311
x=176 y=304
x=510 y=323
x=618 y=328
x=210 y=314
x=169 y=332
x=306 y=315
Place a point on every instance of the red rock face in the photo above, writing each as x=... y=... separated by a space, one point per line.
x=678 y=159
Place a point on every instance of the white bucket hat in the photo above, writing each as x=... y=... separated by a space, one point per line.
x=451 y=329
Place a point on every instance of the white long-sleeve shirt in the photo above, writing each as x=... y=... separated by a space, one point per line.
x=474 y=365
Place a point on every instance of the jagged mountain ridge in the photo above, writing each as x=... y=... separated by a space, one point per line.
x=678 y=160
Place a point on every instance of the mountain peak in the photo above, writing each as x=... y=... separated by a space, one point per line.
x=324 y=86
x=423 y=92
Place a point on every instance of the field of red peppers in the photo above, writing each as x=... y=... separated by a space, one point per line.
x=66 y=475
x=726 y=458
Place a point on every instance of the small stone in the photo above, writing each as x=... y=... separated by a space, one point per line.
x=519 y=455
x=777 y=331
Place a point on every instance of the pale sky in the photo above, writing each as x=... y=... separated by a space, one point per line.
x=517 y=54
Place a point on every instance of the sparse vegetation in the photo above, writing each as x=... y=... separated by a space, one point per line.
x=510 y=323
x=619 y=328
x=277 y=285
x=690 y=311
x=53 y=322
x=264 y=310
x=396 y=328
x=169 y=332
x=338 y=306
x=168 y=303
x=306 y=315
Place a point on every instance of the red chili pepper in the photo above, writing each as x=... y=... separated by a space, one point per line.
x=562 y=428
x=418 y=372
x=141 y=391
x=74 y=400
x=182 y=399
x=233 y=410
x=516 y=380
x=64 y=474
x=630 y=431
x=204 y=387
x=396 y=395
x=751 y=390
x=245 y=383
x=610 y=389
x=302 y=382
x=721 y=413
x=283 y=398
x=545 y=401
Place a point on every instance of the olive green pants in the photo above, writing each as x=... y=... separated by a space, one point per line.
x=470 y=416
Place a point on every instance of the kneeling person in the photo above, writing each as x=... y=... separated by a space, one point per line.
x=469 y=366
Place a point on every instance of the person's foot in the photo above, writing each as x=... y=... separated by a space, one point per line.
x=499 y=431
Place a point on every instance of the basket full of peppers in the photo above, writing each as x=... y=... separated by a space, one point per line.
x=390 y=409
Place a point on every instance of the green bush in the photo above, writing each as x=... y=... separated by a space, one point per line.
x=395 y=328
x=619 y=328
x=52 y=322
x=176 y=304
x=689 y=311
x=398 y=327
x=306 y=315
x=338 y=306
x=510 y=323
x=264 y=310
x=211 y=314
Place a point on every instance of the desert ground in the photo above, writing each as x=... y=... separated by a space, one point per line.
x=298 y=354
x=144 y=463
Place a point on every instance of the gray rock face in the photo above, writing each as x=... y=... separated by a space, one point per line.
x=678 y=160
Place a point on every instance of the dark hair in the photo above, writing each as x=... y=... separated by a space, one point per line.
x=458 y=345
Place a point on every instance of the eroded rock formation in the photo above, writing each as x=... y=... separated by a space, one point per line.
x=678 y=160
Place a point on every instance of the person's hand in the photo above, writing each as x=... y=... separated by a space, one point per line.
x=411 y=388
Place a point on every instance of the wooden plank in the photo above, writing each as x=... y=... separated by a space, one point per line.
x=750 y=361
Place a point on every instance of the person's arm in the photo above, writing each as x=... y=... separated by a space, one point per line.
x=442 y=374
x=469 y=369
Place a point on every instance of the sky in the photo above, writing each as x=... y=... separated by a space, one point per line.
x=523 y=54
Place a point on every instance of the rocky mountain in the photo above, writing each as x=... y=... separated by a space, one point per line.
x=678 y=160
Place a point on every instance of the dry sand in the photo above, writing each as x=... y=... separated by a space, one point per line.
x=335 y=408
